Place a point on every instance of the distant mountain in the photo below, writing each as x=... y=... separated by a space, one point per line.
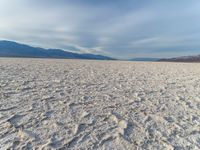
x=183 y=59
x=144 y=59
x=13 y=49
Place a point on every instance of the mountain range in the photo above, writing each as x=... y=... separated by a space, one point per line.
x=14 y=49
x=183 y=59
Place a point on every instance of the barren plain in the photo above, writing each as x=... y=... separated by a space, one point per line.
x=84 y=104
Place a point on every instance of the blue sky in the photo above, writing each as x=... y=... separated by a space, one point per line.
x=117 y=28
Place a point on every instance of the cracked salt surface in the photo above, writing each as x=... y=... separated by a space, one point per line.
x=80 y=104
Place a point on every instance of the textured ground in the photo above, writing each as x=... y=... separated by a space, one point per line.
x=77 y=104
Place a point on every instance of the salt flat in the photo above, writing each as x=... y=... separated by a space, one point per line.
x=82 y=104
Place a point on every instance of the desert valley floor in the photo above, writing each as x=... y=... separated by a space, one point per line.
x=84 y=104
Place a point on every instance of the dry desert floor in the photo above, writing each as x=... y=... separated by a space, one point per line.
x=85 y=104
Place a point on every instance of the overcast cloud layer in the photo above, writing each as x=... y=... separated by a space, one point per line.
x=117 y=28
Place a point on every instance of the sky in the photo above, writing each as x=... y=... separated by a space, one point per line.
x=117 y=28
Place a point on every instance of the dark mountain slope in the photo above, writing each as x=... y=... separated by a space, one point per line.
x=13 y=49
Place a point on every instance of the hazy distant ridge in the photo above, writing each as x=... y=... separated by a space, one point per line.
x=144 y=59
x=183 y=59
x=13 y=49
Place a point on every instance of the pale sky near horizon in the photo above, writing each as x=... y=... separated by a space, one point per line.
x=117 y=28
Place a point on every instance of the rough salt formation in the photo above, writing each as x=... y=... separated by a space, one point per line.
x=79 y=104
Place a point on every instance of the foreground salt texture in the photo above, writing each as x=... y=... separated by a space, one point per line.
x=76 y=104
